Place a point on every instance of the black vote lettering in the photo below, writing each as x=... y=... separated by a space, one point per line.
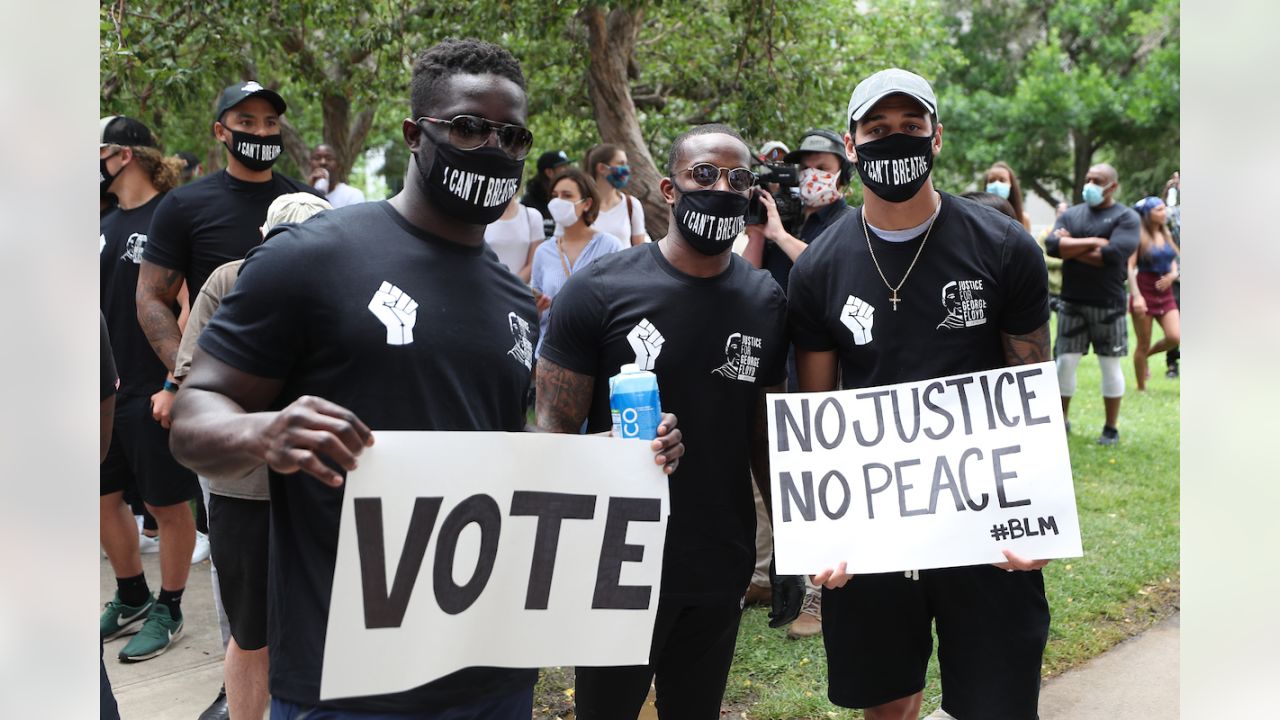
x=817 y=421
x=866 y=482
x=614 y=551
x=785 y=419
x=1002 y=379
x=1001 y=475
x=550 y=509
x=822 y=495
x=787 y=484
x=964 y=481
x=930 y=389
x=1028 y=396
x=857 y=425
x=383 y=609
x=904 y=487
x=483 y=511
x=958 y=384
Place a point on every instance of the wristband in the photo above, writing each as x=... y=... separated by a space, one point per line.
x=170 y=385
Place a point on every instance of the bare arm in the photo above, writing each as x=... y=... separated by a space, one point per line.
x=158 y=288
x=106 y=415
x=816 y=371
x=1027 y=349
x=760 y=445
x=563 y=398
x=221 y=428
x=526 y=272
x=753 y=252
x=1071 y=248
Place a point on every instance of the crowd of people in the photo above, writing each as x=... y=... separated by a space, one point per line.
x=254 y=322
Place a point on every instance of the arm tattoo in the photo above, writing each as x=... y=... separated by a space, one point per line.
x=157 y=290
x=1026 y=349
x=563 y=398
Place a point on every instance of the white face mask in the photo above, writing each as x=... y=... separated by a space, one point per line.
x=818 y=187
x=564 y=212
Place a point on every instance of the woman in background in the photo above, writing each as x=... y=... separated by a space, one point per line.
x=1001 y=181
x=1152 y=271
x=619 y=214
x=515 y=236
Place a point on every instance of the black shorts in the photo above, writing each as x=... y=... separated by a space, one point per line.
x=139 y=454
x=992 y=627
x=690 y=655
x=1079 y=326
x=238 y=533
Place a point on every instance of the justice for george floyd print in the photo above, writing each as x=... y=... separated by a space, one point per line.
x=551 y=543
x=944 y=472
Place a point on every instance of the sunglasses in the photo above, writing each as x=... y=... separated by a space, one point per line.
x=707 y=175
x=468 y=132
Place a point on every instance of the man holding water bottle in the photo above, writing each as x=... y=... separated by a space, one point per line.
x=711 y=330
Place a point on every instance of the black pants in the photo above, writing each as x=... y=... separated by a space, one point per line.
x=1171 y=357
x=688 y=662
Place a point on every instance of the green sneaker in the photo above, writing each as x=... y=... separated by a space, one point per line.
x=156 y=635
x=120 y=619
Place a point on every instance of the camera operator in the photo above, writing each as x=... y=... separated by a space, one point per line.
x=824 y=174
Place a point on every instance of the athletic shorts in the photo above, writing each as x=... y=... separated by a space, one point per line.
x=992 y=628
x=238 y=533
x=1080 y=326
x=139 y=453
x=690 y=656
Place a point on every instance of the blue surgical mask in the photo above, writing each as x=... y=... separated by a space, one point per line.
x=1092 y=193
x=999 y=188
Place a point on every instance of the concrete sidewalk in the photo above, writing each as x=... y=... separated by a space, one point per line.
x=1137 y=679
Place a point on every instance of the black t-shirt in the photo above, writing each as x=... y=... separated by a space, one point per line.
x=107 y=374
x=1099 y=286
x=212 y=221
x=723 y=341
x=300 y=312
x=123 y=239
x=778 y=263
x=979 y=274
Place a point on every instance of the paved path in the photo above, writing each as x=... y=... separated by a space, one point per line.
x=1136 y=679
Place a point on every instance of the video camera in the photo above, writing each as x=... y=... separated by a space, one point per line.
x=787 y=197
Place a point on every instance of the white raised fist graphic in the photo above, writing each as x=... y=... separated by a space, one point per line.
x=647 y=342
x=857 y=317
x=397 y=311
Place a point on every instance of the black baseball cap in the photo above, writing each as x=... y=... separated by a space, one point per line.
x=817 y=140
x=233 y=95
x=124 y=131
x=552 y=159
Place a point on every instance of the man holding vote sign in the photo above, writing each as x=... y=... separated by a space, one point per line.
x=390 y=316
x=914 y=286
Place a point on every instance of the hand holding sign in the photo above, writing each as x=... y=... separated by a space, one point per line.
x=310 y=429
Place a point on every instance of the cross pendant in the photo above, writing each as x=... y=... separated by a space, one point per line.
x=894 y=299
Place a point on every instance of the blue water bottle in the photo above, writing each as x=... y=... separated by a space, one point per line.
x=634 y=404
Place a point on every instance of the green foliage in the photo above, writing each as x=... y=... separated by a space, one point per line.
x=1052 y=87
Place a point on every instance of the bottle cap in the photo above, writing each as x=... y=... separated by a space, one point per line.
x=629 y=368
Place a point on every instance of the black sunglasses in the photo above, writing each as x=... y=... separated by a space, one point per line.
x=706 y=175
x=468 y=132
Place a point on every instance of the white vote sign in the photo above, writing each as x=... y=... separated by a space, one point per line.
x=522 y=550
x=939 y=473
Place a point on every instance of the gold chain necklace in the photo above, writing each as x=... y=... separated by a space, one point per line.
x=893 y=298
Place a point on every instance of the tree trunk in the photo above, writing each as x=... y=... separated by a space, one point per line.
x=1082 y=155
x=611 y=41
x=342 y=134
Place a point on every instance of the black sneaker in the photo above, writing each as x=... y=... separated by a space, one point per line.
x=1172 y=372
x=218 y=710
x=1109 y=436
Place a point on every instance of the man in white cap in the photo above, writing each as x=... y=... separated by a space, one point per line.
x=866 y=300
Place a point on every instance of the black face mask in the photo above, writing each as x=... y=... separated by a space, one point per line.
x=710 y=220
x=104 y=178
x=473 y=186
x=255 y=152
x=895 y=168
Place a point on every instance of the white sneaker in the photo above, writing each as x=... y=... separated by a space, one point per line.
x=201 y=552
x=148 y=544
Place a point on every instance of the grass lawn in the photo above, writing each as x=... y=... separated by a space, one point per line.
x=1128 y=578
